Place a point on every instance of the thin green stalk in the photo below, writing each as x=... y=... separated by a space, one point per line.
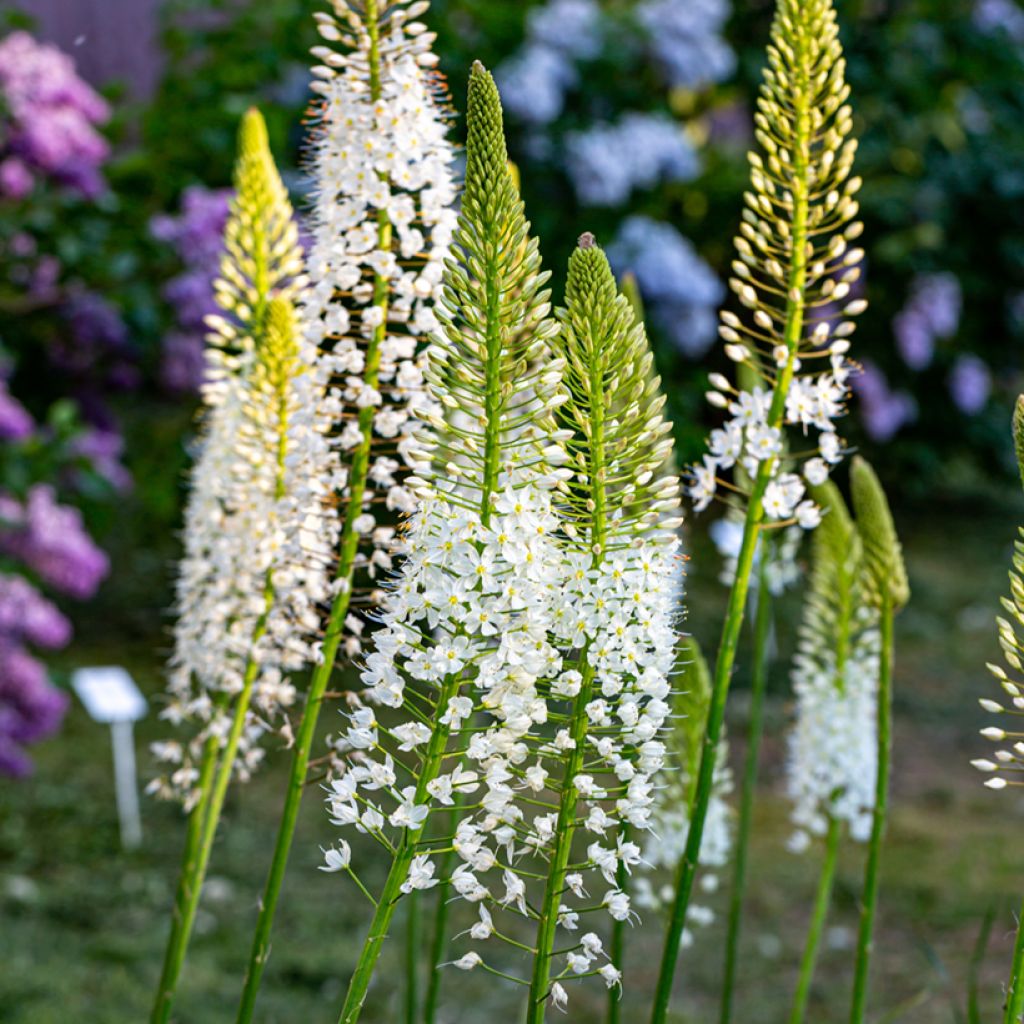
x=618 y=943
x=207 y=830
x=348 y=550
x=871 y=872
x=188 y=884
x=974 y=968
x=1015 y=988
x=762 y=631
x=412 y=949
x=399 y=871
x=439 y=942
x=821 y=904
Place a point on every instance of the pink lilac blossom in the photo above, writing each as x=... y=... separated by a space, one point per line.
x=49 y=121
x=15 y=422
x=196 y=235
x=50 y=539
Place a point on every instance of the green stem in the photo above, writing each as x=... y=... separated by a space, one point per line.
x=439 y=941
x=188 y=883
x=821 y=904
x=871 y=871
x=974 y=968
x=348 y=550
x=199 y=844
x=1015 y=988
x=412 y=948
x=618 y=943
x=565 y=830
x=398 y=872
x=762 y=630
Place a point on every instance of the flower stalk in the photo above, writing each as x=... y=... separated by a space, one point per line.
x=794 y=273
x=888 y=591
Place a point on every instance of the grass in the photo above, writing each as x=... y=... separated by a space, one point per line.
x=82 y=924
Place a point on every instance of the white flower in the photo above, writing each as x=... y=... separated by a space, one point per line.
x=337 y=859
x=421 y=874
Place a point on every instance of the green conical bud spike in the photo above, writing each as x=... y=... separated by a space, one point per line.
x=614 y=405
x=882 y=552
x=1018 y=434
x=262 y=256
x=495 y=322
x=836 y=532
x=279 y=342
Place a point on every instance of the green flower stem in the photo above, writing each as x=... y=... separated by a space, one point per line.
x=762 y=631
x=188 y=883
x=974 y=967
x=199 y=845
x=348 y=551
x=792 y=333
x=821 y=904
x=871 y=872
x=439 y=941
x=1015 y=988
x=618 y=943
x=412 y=948
x=399 y=871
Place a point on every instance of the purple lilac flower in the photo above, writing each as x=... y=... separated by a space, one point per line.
x=50 y=539
x=196 y=235
x=50 y=120
x=103 y=450
x=607 y=162
x=970 y=384
x=992 y=16
x=28 y=617
x=30 y=707
x=681 y=290
x=15 y=422
x=932 y=313
x=884 y=411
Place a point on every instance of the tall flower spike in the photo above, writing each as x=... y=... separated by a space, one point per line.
x=793 y=275
x=832 y=756
x=465 y=627
x=887 y=591
x=671 y=819
x=1007 y=762
x=259 y=527
x=381 y=228
x=616 y=624
x=794 y=271
x=382 y=220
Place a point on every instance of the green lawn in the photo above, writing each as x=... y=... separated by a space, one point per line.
x=82 y=924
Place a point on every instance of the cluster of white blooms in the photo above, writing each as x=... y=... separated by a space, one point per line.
x=748 y=439
x=381 y=226
x=666 y=842
x=833 y=757
x=260 y=526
